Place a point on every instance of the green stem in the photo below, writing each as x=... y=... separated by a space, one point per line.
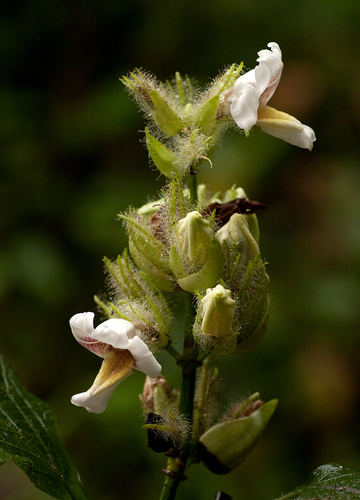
x=173 y=352
x=176 y=467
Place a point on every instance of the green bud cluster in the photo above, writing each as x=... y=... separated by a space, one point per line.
x=184 y=127
x=181 y=248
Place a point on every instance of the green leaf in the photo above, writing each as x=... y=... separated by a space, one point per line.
x=330 y=482
x=29 y=438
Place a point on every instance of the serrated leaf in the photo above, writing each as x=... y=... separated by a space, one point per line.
x=330 y=482
x=28 y=437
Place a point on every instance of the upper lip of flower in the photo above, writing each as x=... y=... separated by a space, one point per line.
x=256 y=86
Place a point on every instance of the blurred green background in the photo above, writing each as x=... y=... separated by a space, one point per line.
x=71 y=160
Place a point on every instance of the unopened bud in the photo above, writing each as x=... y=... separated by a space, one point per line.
x=149 y=254
x=226 y=445
x=194 y=234
x=236 y=233
x=208 y=274
x=218 y=307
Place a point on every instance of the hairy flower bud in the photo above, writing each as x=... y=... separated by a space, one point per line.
x=254 y=315
x=226 y=445
x=149 y=254
x=208 y=274
x=236 y=233
x=218 y=307
x=194 y=234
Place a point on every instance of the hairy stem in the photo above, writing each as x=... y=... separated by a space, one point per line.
x=176 y=467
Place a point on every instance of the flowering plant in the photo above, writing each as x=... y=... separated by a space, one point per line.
x=204 y=246
x=192 y=243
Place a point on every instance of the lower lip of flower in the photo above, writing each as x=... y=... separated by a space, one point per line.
x=117 y=364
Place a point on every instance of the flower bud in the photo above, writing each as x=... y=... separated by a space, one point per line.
x=149 y=254
x=237 y=192
x=208 y=274
x=236 y=233
x=194 y=234
x=226 y=445
x=218 y=307
x=254 y=306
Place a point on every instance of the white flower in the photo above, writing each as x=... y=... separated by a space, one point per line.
x=118 y=343
x=250 y=94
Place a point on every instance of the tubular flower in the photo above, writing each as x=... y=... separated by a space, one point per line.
x=250 y=94
x=117 y=342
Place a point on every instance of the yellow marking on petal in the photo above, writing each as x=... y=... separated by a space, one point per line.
x=272 y=117
x=117 y=364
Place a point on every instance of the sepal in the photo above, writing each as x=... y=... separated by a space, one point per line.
x=226 y=445
x=208 y=274
x=148 y=252
x=253 y=309
x=164 y=115
x=163 y=158
x=205 y=117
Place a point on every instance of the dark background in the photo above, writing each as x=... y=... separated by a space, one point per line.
x=71 y=160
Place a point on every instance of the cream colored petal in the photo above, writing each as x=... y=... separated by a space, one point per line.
x=144 y=359
x=115 y=332
x=117 y=365
x=286 y=127
x=82 y=325
x=244 y=108
x=94 y=404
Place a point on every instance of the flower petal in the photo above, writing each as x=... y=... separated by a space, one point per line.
x=244 y=107
x=94 y=404
x=268 y=72
x=117 y=365
x=115 y=332
x=82 y=325
x=144 y=359
x=286 y=127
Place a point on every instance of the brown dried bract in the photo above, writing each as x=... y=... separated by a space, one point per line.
x=223 y=211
